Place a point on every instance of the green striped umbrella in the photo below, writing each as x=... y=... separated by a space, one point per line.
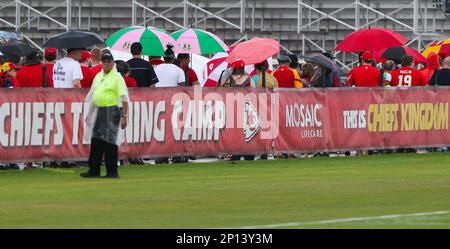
x=154 y=41
x=197 y=41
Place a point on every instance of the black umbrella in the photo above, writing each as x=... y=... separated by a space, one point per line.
x=19 y=48
x=396 y=54
x=322 y=60
x=74 y=39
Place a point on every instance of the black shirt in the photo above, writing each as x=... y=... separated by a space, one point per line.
x=142 y=72
x=441 y=77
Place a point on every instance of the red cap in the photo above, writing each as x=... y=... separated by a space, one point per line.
x=238 y=64
x=86 y=55
x=10 y=66
x=367 y=56
x=52 y=51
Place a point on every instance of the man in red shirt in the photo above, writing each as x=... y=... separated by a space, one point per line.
x=88 y=75
x=407 y=75
x=31 y=74
x=285 y=75
x=189 y=73
x=50 y=55
x=365 y=75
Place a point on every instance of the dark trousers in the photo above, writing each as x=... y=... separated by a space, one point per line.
x=100 y=148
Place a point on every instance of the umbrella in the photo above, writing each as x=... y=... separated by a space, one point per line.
x=197 y=41
x=442 y=48
x=6 y=37
x=372 y=39
x=255 y=50
x=74 y=39
x=396 y=54
x=154 y=41
x=216 y=65
x=18 y=48
x=322 y=60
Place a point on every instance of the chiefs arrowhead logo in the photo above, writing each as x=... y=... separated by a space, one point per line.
x=252 y=121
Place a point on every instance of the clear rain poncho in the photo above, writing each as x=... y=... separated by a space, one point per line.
x=104 y=122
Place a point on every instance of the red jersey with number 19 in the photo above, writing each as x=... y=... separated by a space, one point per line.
x=407 y=76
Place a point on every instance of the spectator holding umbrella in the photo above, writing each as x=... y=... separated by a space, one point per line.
x=407 y=75
x=238 y=77
x=88 y=74
x=270 y=81
x=366 y=75
x=442 y=76
x=67 y=71
x=326 y=72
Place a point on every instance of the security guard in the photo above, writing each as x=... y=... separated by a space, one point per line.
x=108 y=100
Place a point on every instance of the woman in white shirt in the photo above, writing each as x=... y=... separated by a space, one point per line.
x=169 y=75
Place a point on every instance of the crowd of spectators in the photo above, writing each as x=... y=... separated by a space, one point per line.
x=79 y=68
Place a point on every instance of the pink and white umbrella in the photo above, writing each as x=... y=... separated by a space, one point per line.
x=197 y=41
x=154 y=41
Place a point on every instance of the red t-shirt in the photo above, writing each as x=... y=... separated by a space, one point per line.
x=97 y=69
x=285 y=77
x=88 y=77
x=49 y=74
x=364 y=76
x=192 y=76
x=408 y=76
x=130 y=81
x=31 y=76
x=155 y=63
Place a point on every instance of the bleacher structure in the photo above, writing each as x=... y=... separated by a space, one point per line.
x=302 y=26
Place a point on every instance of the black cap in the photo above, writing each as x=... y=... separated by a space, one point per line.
x=74 y=49
x=284 y=58
x=136 y=48
x=107 y=56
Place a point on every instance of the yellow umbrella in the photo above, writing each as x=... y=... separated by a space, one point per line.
x=442 y=48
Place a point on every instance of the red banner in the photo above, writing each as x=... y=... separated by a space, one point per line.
x=362 y=118
x=48 y=124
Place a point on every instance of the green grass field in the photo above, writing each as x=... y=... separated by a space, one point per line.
x=215 y=195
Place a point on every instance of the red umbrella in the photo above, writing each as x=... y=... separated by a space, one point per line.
x=371 y=40
x=396 y=53
x=254 y=51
